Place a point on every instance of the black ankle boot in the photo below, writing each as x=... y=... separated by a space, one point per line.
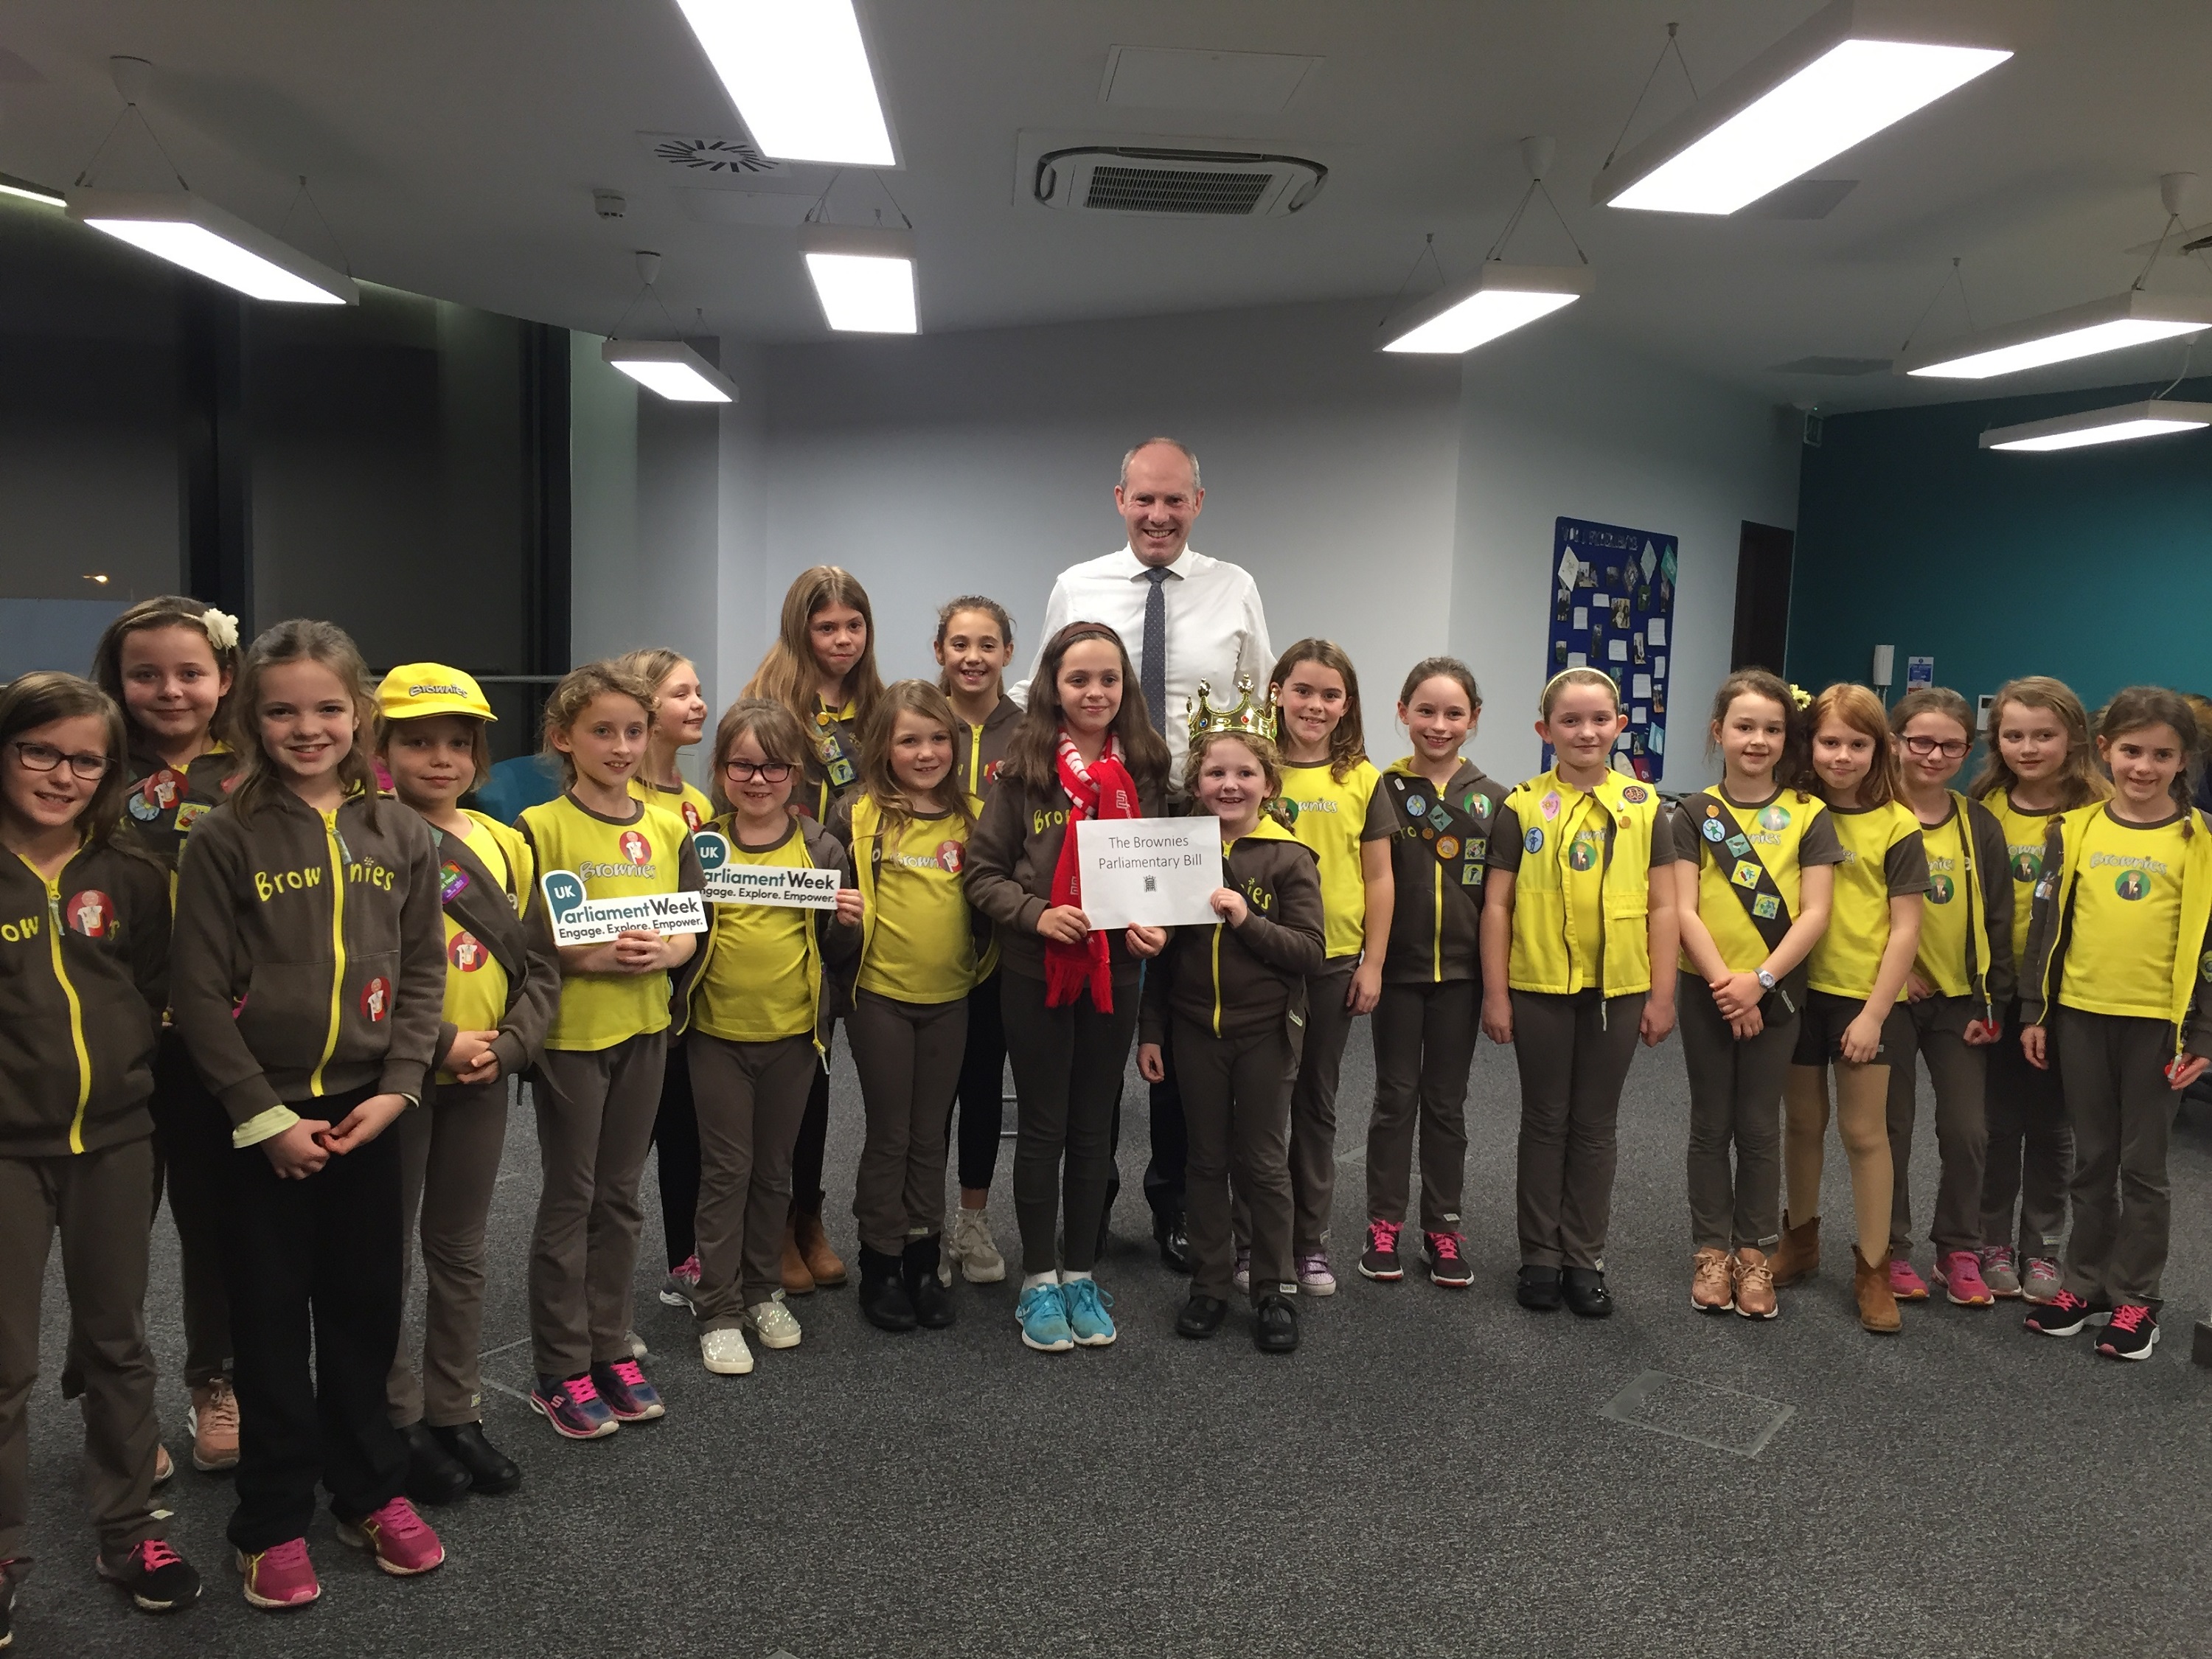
x=490 y=1470
x=932 y=1303
x=884 y=1297
x=433 y=1476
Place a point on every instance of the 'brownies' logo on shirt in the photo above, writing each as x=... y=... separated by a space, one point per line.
x=376 y=1000
x=465 y=952
x=950 y=855
x=91 y=912
x=691 y=818
x=636 y=847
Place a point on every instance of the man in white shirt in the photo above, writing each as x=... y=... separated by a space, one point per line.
x=1185 y=618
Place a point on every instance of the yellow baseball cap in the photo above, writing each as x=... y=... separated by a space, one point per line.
x=415 y=689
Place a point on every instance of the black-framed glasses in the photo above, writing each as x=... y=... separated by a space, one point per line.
x=766 y=771
x=41 y=757
x=1949 y=748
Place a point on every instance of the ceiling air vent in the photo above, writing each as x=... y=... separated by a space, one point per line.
x=1207 y=183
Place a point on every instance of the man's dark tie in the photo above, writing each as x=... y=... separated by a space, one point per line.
x=1152 y=677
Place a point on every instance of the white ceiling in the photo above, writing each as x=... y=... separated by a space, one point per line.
x=454 y=149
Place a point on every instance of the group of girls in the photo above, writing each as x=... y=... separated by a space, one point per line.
x=247 y=928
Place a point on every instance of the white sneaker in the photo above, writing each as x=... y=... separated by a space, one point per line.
x=637 y=1348
x=724 y=1352
x=970 y=1244
x=773 y=1323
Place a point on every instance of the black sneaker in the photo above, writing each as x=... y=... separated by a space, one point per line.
x=159 y=1579
x=2062 y=1316
x=1448 y=1263
x=1201 y=1315
x=434 y=1474
x=2130 y=1333
x=1381 y=1260
x=1537 y=1290
x=1585 y=1292
x=1275 y=1324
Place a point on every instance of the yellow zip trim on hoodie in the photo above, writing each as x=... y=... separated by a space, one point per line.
x=76 y=1010
x=1437 y=917
x=1217 y=978
x=975 y=758
x=337 y=949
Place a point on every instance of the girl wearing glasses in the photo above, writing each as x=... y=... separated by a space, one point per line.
x=84 y=930
x=758 y=1015
x=1961 y=980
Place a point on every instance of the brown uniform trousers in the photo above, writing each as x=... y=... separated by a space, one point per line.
x=2113 y=1067
x=449 y=1152
x=2030 y=1158
x=1735 y=1105
x=909 y=1057
x=1423 y=1044
x=750 y=1098
x=1573 y=1053
x=1934 y=1029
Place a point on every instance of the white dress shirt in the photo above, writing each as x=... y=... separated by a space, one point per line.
x=1216 y=629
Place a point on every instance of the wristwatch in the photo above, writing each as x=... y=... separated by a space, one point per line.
x=1766 y=980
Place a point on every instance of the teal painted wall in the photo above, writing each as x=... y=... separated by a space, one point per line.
x=2095 y=565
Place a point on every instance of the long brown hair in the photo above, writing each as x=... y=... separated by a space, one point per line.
x=789 y=673
x=300 y=639
x=774 y=727
x=982 y=607
x=2140 y=706
x=2079 y=781
x=45 y=695
x=921 y=698
x=1033 y=751
x=1347 y=745
x=164 y=610
x=1857 y=708
x=1449 y=668
x=1790 y=766
x=574 y=694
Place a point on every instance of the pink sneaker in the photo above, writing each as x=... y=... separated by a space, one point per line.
x=1959 y=1274
x=1905 y=1285
x=403 y=1542
x=2040 y=1280
x=281 y=1577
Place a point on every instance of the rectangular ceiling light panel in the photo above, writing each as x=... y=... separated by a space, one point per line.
x=864 y=278
x=1850 y=71
x=671 y=368
x=2118 y=424
x=189 y=231
x=798 y=71
x=2132 y=318
x=1503 y=298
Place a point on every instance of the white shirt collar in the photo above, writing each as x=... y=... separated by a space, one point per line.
x=1189 y=563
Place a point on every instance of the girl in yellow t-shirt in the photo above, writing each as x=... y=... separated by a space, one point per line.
x=2041 y=763
x=2119 y=983
x=1855 y=990
x=1330 y=787
x=907 y=827
x=758 y=1015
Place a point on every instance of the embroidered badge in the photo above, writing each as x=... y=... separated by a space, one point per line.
x=1766 y=907
x=144 y=810
x=1636 y=794
x=189 y=814
x=1739 y=845
x=1712 y=829
x=1416 y=807
x=1448 y=846
x=1471 y=876
x=1550 y=805
x=1440 y=818
x=1746 y=875
x=452 y=882
x=1534 y=842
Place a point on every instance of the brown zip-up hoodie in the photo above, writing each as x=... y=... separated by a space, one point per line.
x=308 y=958
x=525 y=955
x=976 y=755
x=1012 y=856
x=83 y=963
x=1435 y=925
x=1240 y=981
x=163 y=805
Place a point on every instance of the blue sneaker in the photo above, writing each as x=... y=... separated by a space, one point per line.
x=1086 y=1313
x=1042 y=1316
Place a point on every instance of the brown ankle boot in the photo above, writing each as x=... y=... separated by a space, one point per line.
x=1798 y=1255
x=797 y=1281
x=1870 y=1283
x=822 y=1262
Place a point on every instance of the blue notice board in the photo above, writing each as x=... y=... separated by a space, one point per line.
x=1612 y=608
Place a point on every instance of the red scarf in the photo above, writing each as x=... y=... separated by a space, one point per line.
x=1103 y=789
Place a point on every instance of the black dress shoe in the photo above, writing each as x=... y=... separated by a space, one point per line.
x=1537 y=1290
x=1274 y=1324
x=883 y=1300
x=433 y=1476
x=1586 y=1292
x=1174 y=1243
x=1201 y=1315
x=932 y=1303
x=490 y=1470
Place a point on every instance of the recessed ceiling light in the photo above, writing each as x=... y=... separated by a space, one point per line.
x=863 y=276
x=190 y=231
x=798 y=71
x=102 y=581
x=2117 y=424
x=1849 y=71
x=671 y=368
x=1500 y=300
x=2132 y=318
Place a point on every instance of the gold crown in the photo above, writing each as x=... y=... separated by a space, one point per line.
x=1254 y=720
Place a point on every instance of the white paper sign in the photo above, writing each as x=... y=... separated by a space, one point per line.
x=1158 y=872
x=578 y=919
x=1655 y=630
x=1616 y=650
x=728 y=882
x=1650 y=561
x=1640 y=685
x=1570 y=567
x=1639 y=714
x=1577 y=660
x=1659 y=666
x=1581 y=616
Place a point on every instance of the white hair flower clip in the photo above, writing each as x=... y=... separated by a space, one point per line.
x=221 y=629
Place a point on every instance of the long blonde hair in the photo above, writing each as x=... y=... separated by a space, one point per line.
x=300 y=639
x=881 y=783
x=789 y=673
x=1347 y=744
x=574 y=694
x=1856 y=707
x=2079 y=781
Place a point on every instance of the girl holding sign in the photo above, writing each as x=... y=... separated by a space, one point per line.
x=1576 y=915
x=1755 y=877
x=1426 y=1020
x=1236 y=994
x=823 y=669
x=908 y=827
x=1085 y=747
x=759 y=1016
x=502 y=983
x=596 y=1087
x=308 y=971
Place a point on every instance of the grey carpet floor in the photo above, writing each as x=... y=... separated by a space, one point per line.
x=1432 y=1473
